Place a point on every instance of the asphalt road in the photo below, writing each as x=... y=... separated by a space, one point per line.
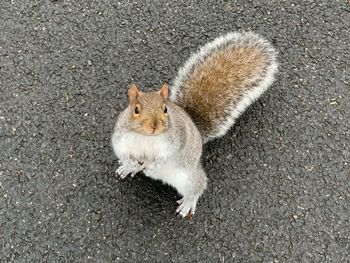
x=279 y=182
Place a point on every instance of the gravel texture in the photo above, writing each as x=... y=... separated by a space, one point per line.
x=279 y=182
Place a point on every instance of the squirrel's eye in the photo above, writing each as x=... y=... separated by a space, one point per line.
x=137 y=110
x=165 y=109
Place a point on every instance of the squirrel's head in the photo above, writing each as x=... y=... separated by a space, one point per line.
x=148 y=110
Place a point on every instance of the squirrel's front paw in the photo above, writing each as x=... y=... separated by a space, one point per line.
x=122 y=171
x=130 y=168
x=186 y=207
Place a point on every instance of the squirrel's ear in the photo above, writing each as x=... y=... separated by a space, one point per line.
x=133 y=93
x=164 y=91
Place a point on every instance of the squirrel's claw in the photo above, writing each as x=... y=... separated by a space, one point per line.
x=186 y=208
x=122 y=172
x=190 y=215
x=179 y=202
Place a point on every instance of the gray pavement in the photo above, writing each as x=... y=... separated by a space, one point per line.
x=279 y=182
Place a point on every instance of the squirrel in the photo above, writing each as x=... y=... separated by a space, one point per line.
x=162 y=135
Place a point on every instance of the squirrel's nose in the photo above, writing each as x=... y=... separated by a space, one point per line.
x=153 y=124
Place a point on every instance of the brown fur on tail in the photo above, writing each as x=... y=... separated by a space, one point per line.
x=222 y=79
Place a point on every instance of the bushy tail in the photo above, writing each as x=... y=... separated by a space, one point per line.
x=222 y=79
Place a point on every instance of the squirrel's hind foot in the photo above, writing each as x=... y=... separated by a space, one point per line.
x=186 y=207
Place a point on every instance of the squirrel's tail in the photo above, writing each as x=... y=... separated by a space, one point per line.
x=222 y=79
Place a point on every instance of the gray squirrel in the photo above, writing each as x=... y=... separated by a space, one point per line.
x=163 y=135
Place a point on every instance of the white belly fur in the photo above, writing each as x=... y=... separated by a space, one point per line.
x=147 y=148
x=141 y=147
